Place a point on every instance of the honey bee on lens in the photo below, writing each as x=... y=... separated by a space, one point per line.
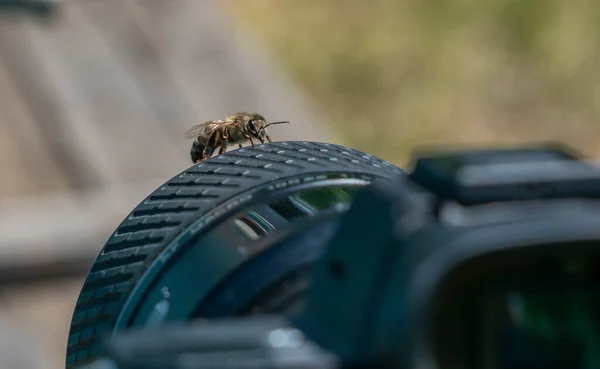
x=235 y=129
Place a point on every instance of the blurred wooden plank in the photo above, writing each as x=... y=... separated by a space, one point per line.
x=65 y=227
x=124 y=129
x=138 y=54
x=26 y=160
x=43 y=313
x=19 y=348
x=220 y=70
x=107 y=117
x=202 y=66
x=14 y=178
x=57 y=117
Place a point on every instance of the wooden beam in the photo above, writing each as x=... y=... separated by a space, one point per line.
x=47 y=97
x=139 y=55
x=74 y=84
x=27 y=160
x=123 y=132
x=221 y=69
x=63 y=228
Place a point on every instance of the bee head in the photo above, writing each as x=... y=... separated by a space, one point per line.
x=257 y=124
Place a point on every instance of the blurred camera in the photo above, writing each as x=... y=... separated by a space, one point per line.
x=484 y=258
x=41 y=8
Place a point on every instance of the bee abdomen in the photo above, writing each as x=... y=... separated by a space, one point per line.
x=197 y=150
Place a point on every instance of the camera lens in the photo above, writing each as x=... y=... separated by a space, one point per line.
x=246 y=258
x=233 y=235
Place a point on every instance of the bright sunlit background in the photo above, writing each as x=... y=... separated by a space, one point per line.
x=392 y=75
x=94 y=103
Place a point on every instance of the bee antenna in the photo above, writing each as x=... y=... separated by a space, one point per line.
x=270 y=124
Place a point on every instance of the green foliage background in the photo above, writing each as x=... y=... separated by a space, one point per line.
x=394 y=75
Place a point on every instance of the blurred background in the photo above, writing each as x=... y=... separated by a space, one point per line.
x=96 y=94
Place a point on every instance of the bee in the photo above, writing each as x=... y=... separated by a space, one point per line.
x=235 y=129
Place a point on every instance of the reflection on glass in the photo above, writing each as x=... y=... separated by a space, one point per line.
x=260 y=220
x=552 y=323
x=551 y=330
x=325 y=198
x=242 y=232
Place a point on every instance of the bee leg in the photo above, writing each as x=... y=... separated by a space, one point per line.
x=248 y=138
x=268 y=138
x=208 y=151
x=240 y=146
x=223 y=147
x=212 y=144
x=224 y=142
x=247 y=135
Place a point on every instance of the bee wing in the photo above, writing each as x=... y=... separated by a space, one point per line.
x=205 y=129
x=194 y=131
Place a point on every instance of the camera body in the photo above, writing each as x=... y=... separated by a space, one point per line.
x=474 y=259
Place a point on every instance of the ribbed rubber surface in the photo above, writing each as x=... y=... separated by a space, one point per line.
x=154 y=223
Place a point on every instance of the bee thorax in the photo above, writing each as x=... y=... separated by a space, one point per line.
x=236 y=135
